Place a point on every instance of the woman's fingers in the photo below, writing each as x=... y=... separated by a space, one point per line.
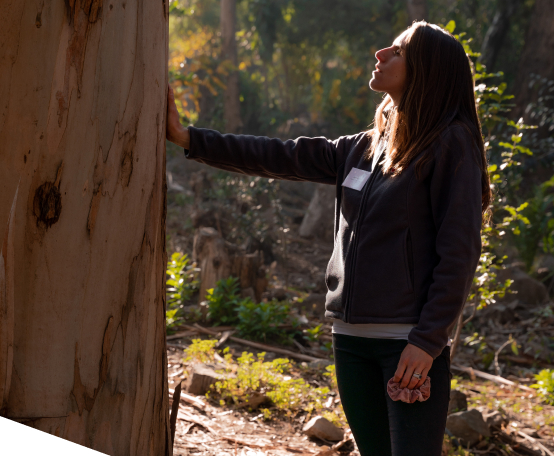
x=412 y=360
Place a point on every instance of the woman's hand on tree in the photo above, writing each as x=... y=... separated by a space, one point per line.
x=176 y=133
x=413 y=359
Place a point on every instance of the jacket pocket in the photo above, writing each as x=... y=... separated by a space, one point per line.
x=408 y=256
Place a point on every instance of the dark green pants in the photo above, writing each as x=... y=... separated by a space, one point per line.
x=381 y=426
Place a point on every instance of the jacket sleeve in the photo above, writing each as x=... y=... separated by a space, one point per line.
x=456 y=203
x=302 y=159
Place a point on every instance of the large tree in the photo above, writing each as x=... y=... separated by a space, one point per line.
x=232 y=105
x=536 y=58
x=83 y=87
x=417 y=10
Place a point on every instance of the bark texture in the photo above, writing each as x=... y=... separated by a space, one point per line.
x=83 y=89
x=232 y=106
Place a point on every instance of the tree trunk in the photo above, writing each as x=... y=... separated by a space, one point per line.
x=417 y=10
x=232 y=106
x=496 y=33
x=83 y=92
x=536 y=57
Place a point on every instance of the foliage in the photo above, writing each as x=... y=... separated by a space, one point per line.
x=255 y=376
x=254 y=320
x=223 y=301
x=535 y=231
x=502 y=142
x=261 y=321
x=202 y=351
x=331 y=373
x=312 y=335
x=182 y=283
x=544 y=385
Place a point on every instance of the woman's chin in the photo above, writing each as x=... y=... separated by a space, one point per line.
x=374 y=85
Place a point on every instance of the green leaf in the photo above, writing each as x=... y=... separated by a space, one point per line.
x=450 y=26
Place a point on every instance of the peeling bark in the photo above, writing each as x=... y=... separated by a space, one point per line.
x=82 y=253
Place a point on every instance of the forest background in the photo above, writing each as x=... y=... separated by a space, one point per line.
x=289 y=68
x=294 y=68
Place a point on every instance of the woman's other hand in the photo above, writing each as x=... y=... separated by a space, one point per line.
x=413 y=359
x=176 y=133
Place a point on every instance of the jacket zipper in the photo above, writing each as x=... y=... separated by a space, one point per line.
x=356 y=239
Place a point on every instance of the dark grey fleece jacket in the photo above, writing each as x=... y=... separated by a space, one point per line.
x=405 y=248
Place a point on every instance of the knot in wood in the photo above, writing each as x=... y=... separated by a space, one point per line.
x=47 y=204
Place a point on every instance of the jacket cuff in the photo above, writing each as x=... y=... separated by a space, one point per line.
x=432 y=351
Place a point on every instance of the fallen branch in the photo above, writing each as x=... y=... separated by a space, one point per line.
x=535 y=442
x=526 y=360
x=514 y=443
x=224 y=338
x=192 y=419
x=267 y=348
x=493 y=378
x=192 y=400
x=181 y=334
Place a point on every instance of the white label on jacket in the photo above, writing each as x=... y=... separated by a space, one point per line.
x=356 y=179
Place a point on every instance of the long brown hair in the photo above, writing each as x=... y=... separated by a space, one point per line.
x=439 y=91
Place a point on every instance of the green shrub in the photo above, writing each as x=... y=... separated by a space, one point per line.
x=261 y=321
x=223 y=301
x=544 y=385
x=288 y=394
x=182 y=283
x=253 y=320
x=201 y=350
x=312 y=335
x=534 y=232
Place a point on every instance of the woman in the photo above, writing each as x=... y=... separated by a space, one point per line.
x=411 y=194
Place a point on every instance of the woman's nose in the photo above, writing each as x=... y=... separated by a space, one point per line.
x=380 y=55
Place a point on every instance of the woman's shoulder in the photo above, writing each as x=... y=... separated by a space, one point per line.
x=458 y=141
x=460 y=132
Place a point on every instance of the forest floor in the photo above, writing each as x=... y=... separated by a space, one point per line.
x=298 y=274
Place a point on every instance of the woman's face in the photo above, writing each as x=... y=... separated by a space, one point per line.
x=390 y=73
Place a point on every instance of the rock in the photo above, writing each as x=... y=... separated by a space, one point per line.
x=201 y=377
x=468 y=425
x=320 y=364
x=323 y=429
x=529 y=290
x=458 y=402
x=495 y=418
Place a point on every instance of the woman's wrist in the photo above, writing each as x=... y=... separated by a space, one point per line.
x=180 y=136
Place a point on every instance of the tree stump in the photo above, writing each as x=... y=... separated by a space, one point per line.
x=319 y=218
x=219 y=259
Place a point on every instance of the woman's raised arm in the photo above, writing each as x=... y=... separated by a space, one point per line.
x=302 y=159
